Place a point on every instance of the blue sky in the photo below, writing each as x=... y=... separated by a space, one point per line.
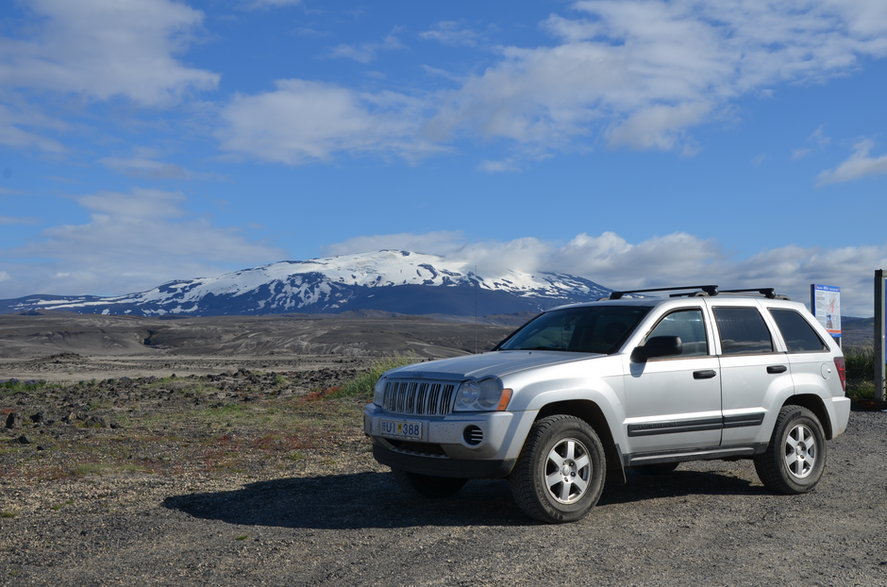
x=635 y=143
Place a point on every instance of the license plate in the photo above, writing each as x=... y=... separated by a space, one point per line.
x=401 y=429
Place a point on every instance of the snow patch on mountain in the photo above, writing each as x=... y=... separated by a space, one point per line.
x=386 y=280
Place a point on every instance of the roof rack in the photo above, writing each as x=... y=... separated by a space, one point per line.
x=767 y=292
x=700 y=290
x=711 y=290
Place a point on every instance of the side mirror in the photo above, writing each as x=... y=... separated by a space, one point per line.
x=658 y=346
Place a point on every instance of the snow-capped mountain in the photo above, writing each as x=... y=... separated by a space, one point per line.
x=394 y=281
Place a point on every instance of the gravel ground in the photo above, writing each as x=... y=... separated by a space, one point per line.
x=259 y=478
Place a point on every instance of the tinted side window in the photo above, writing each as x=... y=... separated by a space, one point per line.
x=689 y=326
x=798 y=334
x=586 y=329
x=742 y=330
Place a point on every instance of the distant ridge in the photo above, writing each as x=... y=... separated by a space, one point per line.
x=392 y=281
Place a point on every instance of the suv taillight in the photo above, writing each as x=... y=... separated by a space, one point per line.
x=842 y=372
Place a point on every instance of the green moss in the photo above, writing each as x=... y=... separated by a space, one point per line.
x=86 y=469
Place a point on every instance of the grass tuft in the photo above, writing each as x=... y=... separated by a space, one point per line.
x=361 y=387
x=16 y=385
x=860 y=364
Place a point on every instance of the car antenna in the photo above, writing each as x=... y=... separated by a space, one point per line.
x=476 y=319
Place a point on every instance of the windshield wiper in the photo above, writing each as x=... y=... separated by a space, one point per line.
x=537 y=348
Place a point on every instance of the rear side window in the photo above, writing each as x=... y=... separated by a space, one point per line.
x=742 y=330
x=798 y=334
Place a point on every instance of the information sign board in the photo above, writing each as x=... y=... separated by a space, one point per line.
x=825 y=301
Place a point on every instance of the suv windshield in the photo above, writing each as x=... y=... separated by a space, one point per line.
x=586 y=329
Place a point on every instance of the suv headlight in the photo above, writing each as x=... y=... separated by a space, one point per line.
x=379 y=390
x=481 y=396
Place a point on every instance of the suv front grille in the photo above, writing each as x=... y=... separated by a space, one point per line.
x=419 y=398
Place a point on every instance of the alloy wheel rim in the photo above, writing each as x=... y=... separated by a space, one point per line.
x=567 y=471
x=800 y=451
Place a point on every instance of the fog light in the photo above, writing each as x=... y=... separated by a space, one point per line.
x=473 y=435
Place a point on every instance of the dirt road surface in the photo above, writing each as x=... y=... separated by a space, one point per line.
x=336 y=517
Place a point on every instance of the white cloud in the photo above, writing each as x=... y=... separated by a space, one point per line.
x=819 y=138
x=136 y=241
x=148 y=168
x=859 y=165
x=669 y=260
x=440 y=242
x=665 y=260
x=503 y=166
x=262 y=4
x=132 y=241
x=816 y=141
x=302 y=121
x=865 y=18
x=499 y=258
x=657 y=127
x=645 y=71
x=451 y=33
x=106 y=48
x=638 y=74
x=366 y=52
x=146 y=163
x=16 y=220
x=13 y=122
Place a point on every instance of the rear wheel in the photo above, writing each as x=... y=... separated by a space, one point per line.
x=428 y=485
x=795 y=458
x=560 y=473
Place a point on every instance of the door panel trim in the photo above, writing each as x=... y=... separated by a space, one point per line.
x=677 y=426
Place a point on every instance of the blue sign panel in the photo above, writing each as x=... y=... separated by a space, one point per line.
x=825 y=302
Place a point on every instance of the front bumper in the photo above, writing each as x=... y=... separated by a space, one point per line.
x=439 y=466
x=469 y=445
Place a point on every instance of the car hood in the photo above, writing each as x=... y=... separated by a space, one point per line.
x=496 y=363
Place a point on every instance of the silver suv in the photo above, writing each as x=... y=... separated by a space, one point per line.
x=586 y=391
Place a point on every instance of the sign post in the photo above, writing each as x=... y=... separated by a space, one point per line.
x=879 y=334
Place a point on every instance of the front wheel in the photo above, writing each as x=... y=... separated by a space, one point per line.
x=795 y=458
x=560 y=473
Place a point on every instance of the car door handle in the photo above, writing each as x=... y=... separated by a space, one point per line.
x=773 y=369
x=705 y=374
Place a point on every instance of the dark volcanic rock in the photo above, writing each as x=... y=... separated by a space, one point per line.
x=13 y=421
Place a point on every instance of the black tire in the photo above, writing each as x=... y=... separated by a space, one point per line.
x=561 y=471
x=795 y=458
x=657 y=469
x=427 y=485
